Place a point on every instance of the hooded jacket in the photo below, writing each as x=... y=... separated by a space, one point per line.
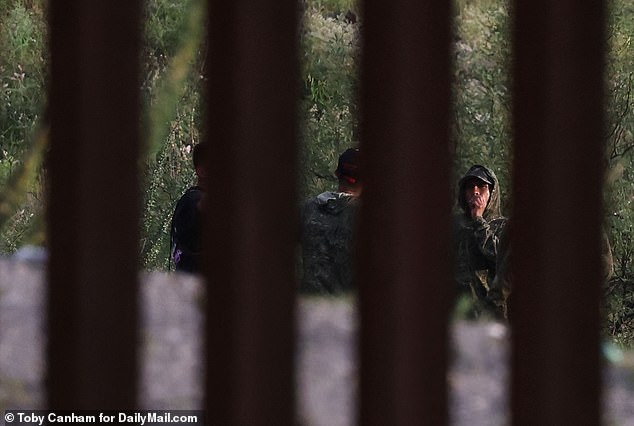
x=477 y=240
x=492 y=210
x=328 y=223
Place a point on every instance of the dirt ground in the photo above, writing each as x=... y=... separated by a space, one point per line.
x=326 y=355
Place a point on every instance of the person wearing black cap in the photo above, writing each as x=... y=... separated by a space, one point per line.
x=477 y=230
x=328 y=225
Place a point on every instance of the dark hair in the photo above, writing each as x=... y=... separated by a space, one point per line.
x=199 y=154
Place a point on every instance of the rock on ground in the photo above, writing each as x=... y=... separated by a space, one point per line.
x=327 y=368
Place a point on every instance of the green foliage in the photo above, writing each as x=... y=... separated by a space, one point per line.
x=170 y=174
x=481 y=125
x=332 y=8
x=164 y=21
x=173 y=65
x=22 y=96
x=330 y=48
x=21 y=204
x=619 y=300
x=173 y=60
x=22 y=78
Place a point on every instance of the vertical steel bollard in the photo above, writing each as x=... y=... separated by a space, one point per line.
x=404 y=268
x=251 y=219
x=93 y=204
x=558 y=177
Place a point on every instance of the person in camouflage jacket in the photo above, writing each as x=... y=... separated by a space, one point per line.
x=477 y=229
x=328 y=230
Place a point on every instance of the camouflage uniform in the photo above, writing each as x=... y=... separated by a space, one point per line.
x=476 y=242
x=500 y=289
x=328 y=223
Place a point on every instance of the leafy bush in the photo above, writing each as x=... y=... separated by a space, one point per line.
x=481 y=125
x=173 y=68
x=22 y=96
x=619 y=300
x=328 y=107
x=22 y=78
x=332 y=8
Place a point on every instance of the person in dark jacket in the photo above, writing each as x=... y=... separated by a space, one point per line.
x=185 y=233
x=477 y=230
x=328 y=229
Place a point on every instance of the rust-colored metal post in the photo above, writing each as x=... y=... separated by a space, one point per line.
x=558 y=130
x=251 y=230
x=93 y=205
x=404 y=262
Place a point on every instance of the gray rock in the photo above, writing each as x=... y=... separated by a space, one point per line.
x=22 y=339
x=327 y=376
x=31 y=254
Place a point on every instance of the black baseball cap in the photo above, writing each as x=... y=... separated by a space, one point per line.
x=348 y=165
x=479 y=172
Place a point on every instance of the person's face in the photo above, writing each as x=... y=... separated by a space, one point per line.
x=477 y=195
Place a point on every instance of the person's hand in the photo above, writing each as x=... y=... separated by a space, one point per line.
x=477 y=194
x=477 y=204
